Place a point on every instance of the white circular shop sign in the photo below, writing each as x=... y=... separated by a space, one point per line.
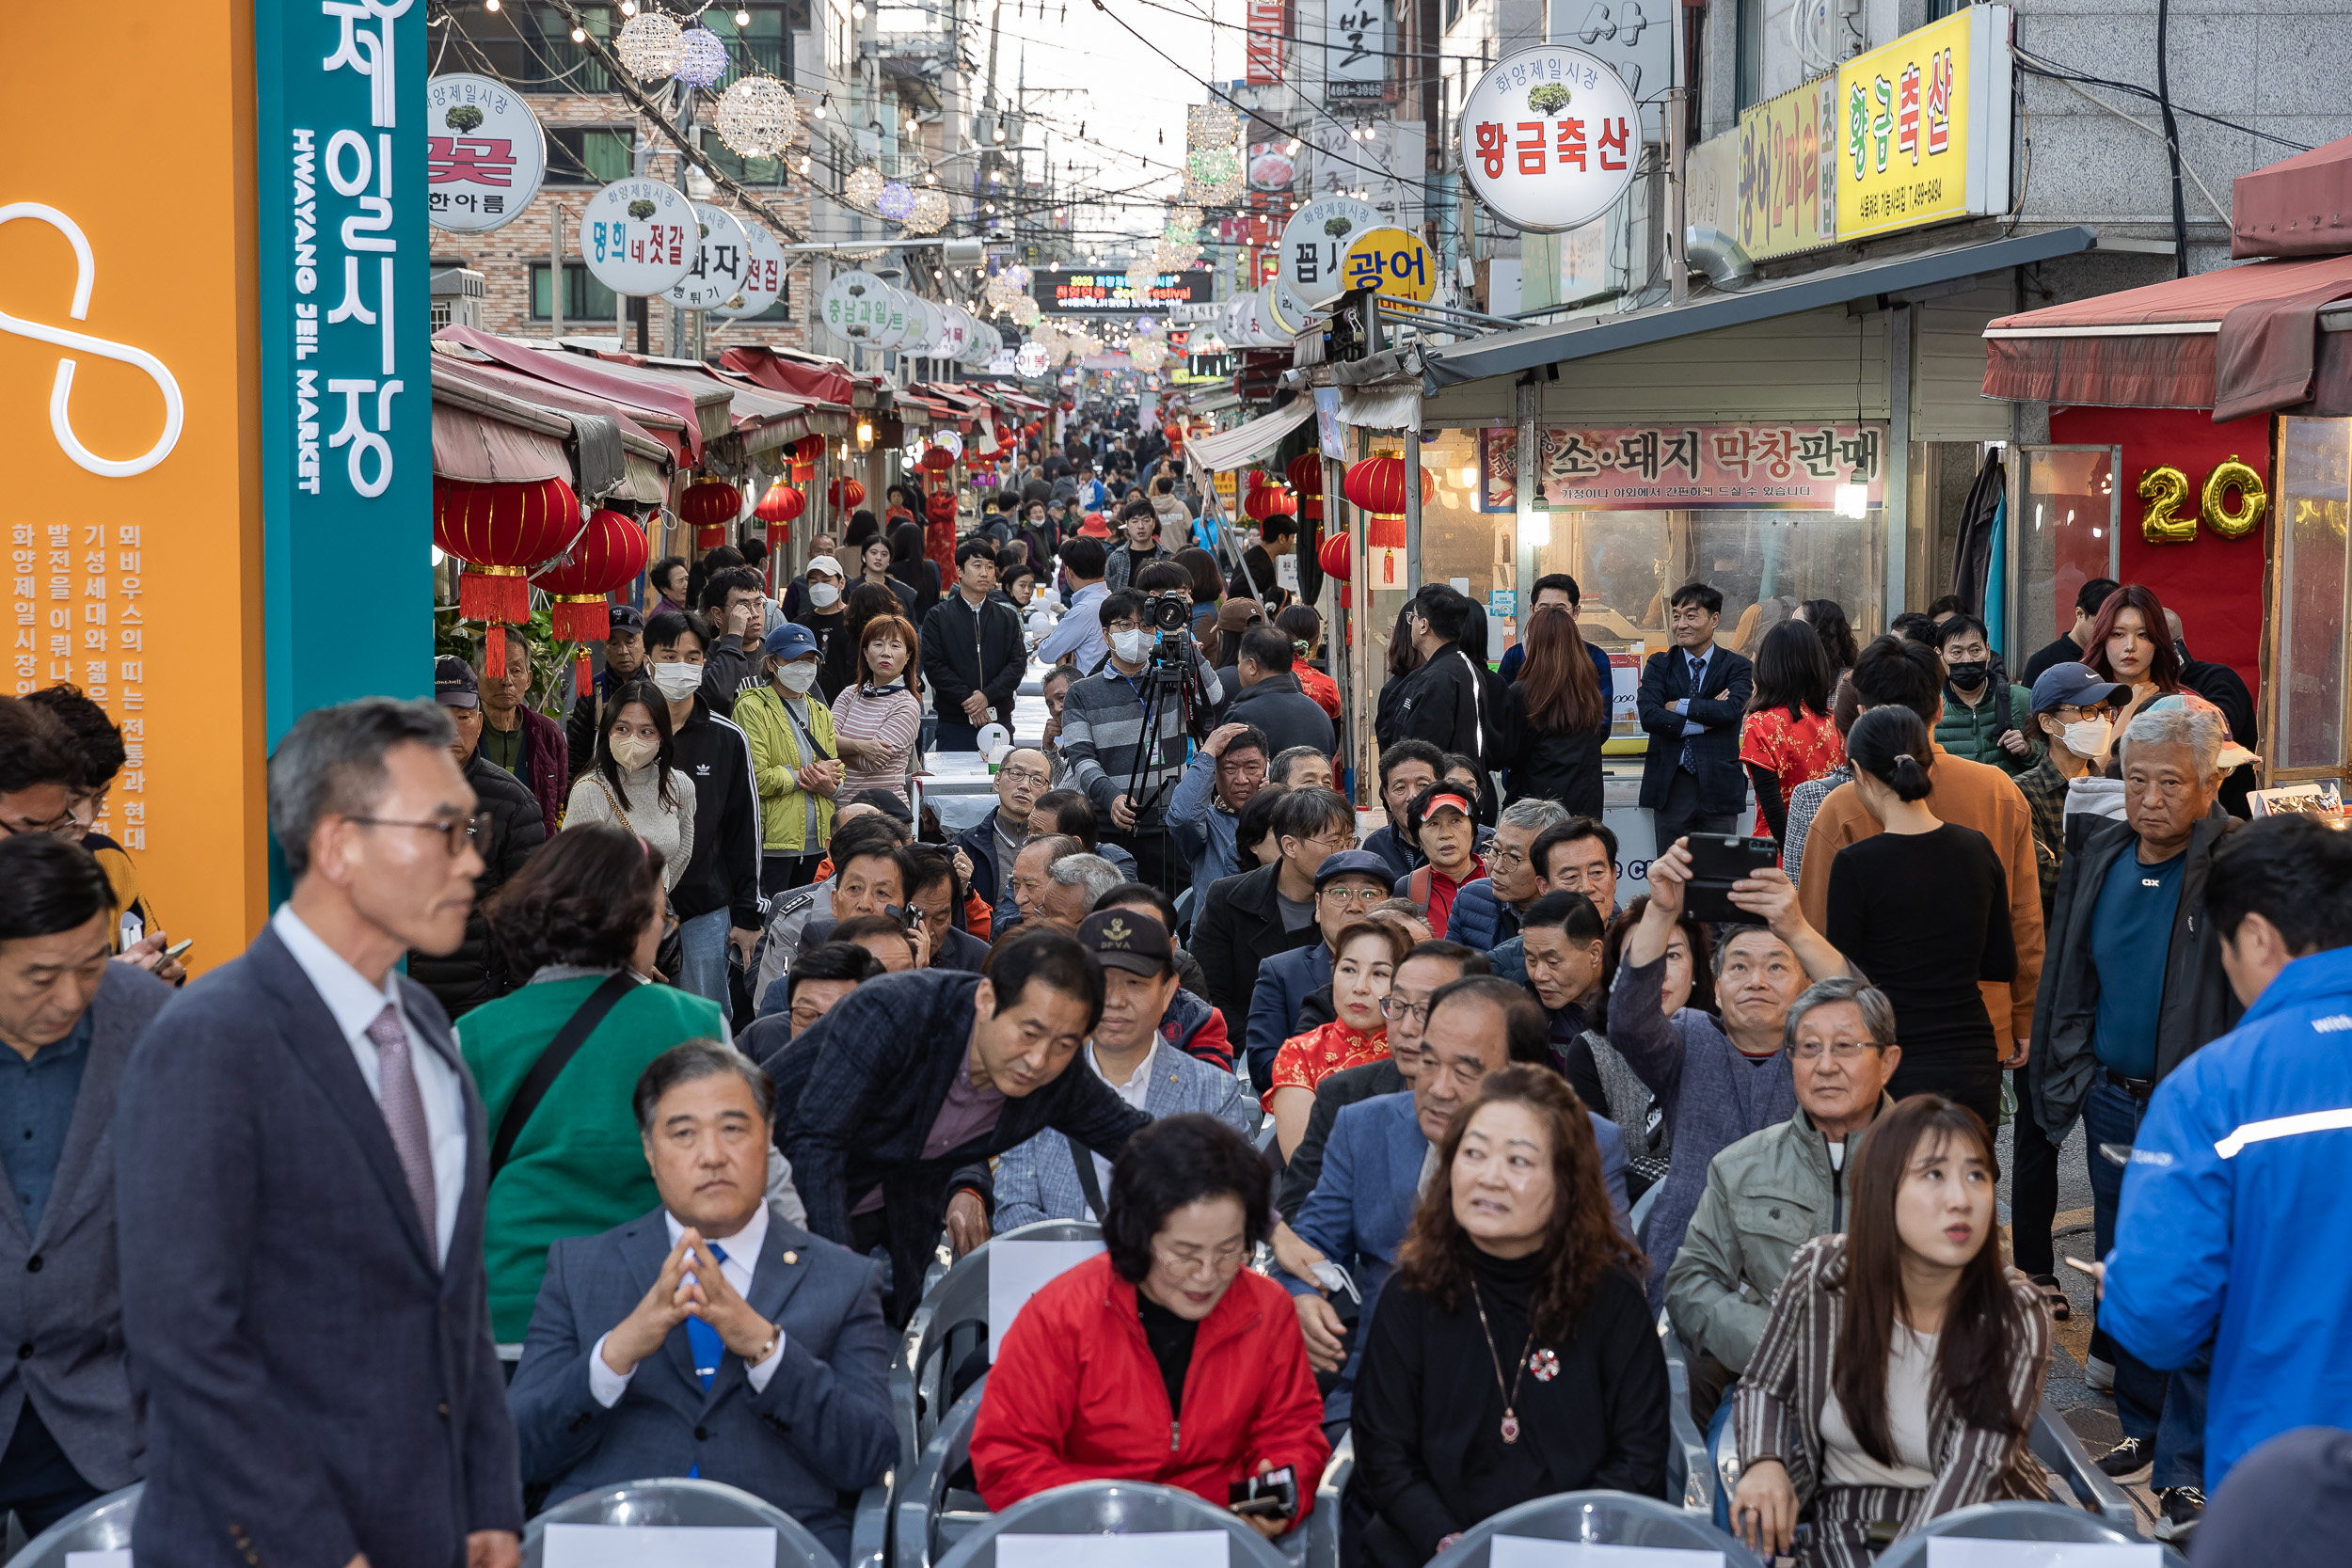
x=1550 y=139
x=763 y=276
x=856 y=306
x=955 y=332
x=485 y=153
x=717 y=273
x=1315 y=243
x=1032 y=359
x=638 y=236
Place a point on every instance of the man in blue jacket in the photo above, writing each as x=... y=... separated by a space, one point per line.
x=2236 y=1203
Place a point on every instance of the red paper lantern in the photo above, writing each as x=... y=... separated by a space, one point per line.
x=1377 y=485
x=937 y=460
x=1332 y=557
x=1269 y=499
x=845 y=494
x=499 y=531
x=781 y=505
x=609 y=552
x=710 y=507
x=1305 y=474
x=805 y=453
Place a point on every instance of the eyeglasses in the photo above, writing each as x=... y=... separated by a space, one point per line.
x=1364 y=896
x=457 y=832
x=61 y=825
x=1020 y=776
x=1506 y=857
x=1396 y=1009
x=1225 y=1260
x=1844 y=1050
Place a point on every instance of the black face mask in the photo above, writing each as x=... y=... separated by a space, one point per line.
x=1971 y=672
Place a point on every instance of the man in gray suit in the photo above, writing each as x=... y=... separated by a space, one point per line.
x=711 y=1337
x=69 y=1016
x=299 y=1171
x=1051 y=1177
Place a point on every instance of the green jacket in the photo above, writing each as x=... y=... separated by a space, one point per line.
x=579 y=1167
x=797 y=822
x=1969 y=732
x=1766 y=1196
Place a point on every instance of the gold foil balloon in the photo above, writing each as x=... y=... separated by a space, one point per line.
x=2252 y=499
x=2164 y=490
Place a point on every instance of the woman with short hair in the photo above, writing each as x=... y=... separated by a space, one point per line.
x=1514 y=1356
x=1897 y=1374
x=1166 y=1359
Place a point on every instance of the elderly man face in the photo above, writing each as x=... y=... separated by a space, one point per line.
x=2164 y=795
x=1062 y=905
x=1839 y=1068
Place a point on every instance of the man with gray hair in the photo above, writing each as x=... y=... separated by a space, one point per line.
x=2132 y=986
x=1841 y=1049
x=300 y=1169
x=1073 y=883
x=1487 y=912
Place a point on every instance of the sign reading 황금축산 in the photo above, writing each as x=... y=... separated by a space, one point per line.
x=485 y=153
x=1550 y=136
x=1074 y=293
x=1755 y=467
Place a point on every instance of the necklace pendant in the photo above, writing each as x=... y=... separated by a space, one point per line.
x=1510 y=1427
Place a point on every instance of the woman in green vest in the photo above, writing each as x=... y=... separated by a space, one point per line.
x=796 y=765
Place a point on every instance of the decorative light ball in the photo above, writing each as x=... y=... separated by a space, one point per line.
x=1187 y=219
x=757 y=117
x=702 y=57
x=1026 y=312
x=1213 y=171
x=1169 y=256
x=649 y=46
x=1143 y=275
x=930 y=213
x=895 y=201
x=863 y=189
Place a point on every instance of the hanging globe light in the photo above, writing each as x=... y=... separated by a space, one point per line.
x=1213 y=172
x=863 y=189
x=702 y=57
x=649 y=46
x=1168 y=256
x=1143 y=275
x=929 y=213
x=757 y=117
x=1026 y=312
x=895 y=201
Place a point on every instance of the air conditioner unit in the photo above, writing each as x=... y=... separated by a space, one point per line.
x=457 y=293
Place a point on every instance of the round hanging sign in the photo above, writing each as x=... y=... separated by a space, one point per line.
x=1315 y=242
x=1550 y=136
x=856 y=306
x=1392 y=261
x=486 y=154
x=717 y=273
x=638 y=236
x=955 y=331
x=763 y=276
x=1032 y=359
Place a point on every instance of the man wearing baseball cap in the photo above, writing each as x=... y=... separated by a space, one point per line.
x=1050 y=1177
x=473 y=973
x=624 y=662
x=1347 y=885
x=821 y=609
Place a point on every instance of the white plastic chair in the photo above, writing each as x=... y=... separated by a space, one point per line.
x=1114 y=1508
x=1603 y=1518
x=96 y=1526
x=678 y=1501
x=2016 y=1521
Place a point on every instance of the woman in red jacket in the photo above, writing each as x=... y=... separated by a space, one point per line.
x=1165 y=1360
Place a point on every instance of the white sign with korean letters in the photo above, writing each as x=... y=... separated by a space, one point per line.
x=638 y=236
x=486 y=155
x=1550 y=139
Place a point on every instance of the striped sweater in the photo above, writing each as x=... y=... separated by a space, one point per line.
x=1102 y=741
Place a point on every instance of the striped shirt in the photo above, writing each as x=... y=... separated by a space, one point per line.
x=1103 y=741
x=890 y=719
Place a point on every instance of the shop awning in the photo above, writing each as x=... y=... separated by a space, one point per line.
x=1510 y=353
x=603 y=379
x=492 y=425
x=2245 y=339
x=803 y=376
x=1232 y=448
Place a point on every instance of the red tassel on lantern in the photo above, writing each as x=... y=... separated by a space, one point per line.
x=498 y=531
x=710 y=507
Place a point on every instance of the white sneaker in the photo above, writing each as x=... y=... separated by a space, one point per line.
x=2099 y=1376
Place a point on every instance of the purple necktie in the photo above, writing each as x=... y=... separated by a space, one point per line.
x=403 y=1113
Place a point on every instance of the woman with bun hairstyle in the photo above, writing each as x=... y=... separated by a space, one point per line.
x=1922 y=908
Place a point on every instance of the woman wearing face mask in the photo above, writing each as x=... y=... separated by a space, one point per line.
x=1923 y=911
x=878 y=723
x=1513 y=1356
x=2070 y=709
x=1897 y=1374
x=796 y=765
x=1363 y=961
x=632 y=784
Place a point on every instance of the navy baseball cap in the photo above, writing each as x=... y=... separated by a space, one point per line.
x=626 y=620
x=1128 y=939
x=791 y=640
x=454 y=684
x=1357 y=862
x=2073 y=686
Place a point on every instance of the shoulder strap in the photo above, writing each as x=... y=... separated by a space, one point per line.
x=1089 y=1183
x=1416 y=887
x=552 y=1063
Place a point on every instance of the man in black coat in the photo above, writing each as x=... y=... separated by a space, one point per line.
x=1692 y=700
x=913 y=1081
x=1271 y=699
x=475 y=973
x=2224 y=689
x=1250 y=917
x=1446 y=702
x=2074 y=645
x=974 y=651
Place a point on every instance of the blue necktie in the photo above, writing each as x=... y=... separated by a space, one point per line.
x=708 y=1348
x=1697 y=680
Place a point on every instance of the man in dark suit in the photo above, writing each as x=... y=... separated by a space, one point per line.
x=711 y=1337
x=1692 y=698
x=1249 y=917
x=1347 y=885
x=69 y=1016
x=895 y=1102
x=300 y=1163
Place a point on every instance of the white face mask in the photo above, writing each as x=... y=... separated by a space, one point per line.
x=2088 y=737
x=678 y=681
x=1128 y=645
x=633 y=752
x=824 y=596
x=797 y=676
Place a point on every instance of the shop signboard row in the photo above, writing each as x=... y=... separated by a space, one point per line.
x=1749 y=467
x=860 y=307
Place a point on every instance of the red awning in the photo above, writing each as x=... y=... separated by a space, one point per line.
x=794 y=377
x=2245 y=339
x=2294 y=207
x=595 y=377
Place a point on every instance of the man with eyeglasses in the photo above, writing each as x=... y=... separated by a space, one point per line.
x=1230 y=768
x=991 y=843
x=1248 y=917
x=1487 y=912
x=39 y=768
x=1348 y=882
x=299 y=1200
x=1788 y=1182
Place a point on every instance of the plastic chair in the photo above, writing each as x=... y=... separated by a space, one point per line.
x=1639 y=1215
x=2055 y=1444
x=96 y=1527
x=1318 y=1544
x=2016 y=1521
x=1689 y=1477
x=1603 y=1518
x=918 y=1372
x=679 y=1501
x=926 y=1519
x=1113 y=1508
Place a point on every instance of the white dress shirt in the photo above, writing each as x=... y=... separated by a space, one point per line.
x=1132 y=1091
x=357 y=1003
x=743 y=1249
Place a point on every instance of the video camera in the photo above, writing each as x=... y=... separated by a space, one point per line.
x=1166 y=612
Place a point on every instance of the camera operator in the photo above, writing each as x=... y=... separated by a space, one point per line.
x=1125 y=771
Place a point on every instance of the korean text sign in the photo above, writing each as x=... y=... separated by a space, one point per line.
x=1752 y=468
x=1923 y=126
x=1550 y=139
x=1788 y=191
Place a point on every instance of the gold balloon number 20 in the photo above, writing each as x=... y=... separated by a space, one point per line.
x=2163 y=489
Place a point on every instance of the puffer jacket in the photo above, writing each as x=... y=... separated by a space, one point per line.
x=786 y=821
x=1481 y=920
x=473 y=973
x=1974 y=732
x=1198 y=1030
x=1766 y=1196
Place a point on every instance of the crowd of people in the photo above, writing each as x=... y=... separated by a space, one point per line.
x=594 y=1105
